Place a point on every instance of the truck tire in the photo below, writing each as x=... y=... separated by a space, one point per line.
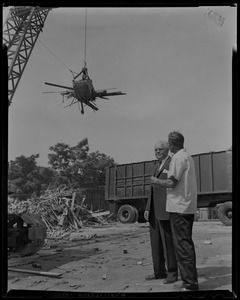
x=225 y=213
x=126 y=214
x=136 y=214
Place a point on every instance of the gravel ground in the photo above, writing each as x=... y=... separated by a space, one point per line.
x=115 y=258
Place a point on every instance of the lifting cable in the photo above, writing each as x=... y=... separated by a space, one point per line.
x=85 y=41
x=56 y=56
x=85 y=47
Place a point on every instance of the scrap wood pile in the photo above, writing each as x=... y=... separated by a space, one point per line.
x=61 y=210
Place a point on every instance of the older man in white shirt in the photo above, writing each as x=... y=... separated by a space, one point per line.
x=181 y=203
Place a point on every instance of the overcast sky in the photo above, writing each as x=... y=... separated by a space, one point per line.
x=175 y=64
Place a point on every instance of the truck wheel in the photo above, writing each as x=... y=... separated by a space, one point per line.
x=225 y=213
x=136 y=215
x=126 y=214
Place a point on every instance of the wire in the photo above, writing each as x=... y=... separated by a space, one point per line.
x=56 y=57
x=85 y=46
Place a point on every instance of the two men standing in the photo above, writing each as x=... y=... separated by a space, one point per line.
x=179 y=202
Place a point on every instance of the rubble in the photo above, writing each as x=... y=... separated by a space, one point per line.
x=62 y=210
x=207 y=242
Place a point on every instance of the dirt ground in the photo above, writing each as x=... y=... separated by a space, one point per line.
x=116 y=257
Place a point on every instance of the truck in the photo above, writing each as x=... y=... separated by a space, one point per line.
x=127 y=186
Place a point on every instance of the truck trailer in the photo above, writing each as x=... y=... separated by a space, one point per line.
x=127 y=186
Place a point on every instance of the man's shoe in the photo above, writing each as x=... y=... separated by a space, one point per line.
x=170 y=280
x=153 y=276
x=185 y=287
x=189 y=287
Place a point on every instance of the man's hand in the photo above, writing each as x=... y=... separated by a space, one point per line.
x=153 y=179
x=167 y=183
x=146 y=215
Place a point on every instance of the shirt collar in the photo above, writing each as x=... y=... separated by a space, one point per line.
x=179 y=152
x=163 y=161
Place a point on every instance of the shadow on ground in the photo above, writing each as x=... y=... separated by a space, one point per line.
x=215 y=277
x=58 y=259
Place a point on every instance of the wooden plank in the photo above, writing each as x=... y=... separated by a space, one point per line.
x=48 y=274
x=73 y=200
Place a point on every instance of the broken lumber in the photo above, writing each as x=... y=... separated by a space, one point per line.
x=48 y=274
x=61 y=209
x=73 y=200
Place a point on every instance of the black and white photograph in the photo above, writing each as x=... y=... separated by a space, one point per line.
x=119 y=150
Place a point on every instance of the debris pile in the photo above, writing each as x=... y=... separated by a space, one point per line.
x=61 y=209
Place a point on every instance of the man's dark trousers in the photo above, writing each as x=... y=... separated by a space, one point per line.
x=162 y=247
x=181 y=225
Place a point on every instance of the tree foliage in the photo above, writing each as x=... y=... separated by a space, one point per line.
x=93 y=169
x=83 y=169
x=26 y=179
x=68 y=165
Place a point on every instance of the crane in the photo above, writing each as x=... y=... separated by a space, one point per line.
x=21 y=30
x=20 y=33
x=27 y=232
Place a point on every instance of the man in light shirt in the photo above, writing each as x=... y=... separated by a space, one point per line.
x=181 y=203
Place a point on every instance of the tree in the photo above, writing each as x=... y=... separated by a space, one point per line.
x=25 y=178
x=74 y=165
x=60 y=160
x=65 y=156
x=81 y=168
x=93 y=171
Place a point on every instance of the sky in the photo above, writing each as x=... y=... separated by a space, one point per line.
x=175 y=64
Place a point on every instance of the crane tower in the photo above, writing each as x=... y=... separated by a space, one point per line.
x=20 y=33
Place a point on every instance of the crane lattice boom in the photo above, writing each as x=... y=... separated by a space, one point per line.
x=21 y=30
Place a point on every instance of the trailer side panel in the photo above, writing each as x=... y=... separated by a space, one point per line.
x=213 y=171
